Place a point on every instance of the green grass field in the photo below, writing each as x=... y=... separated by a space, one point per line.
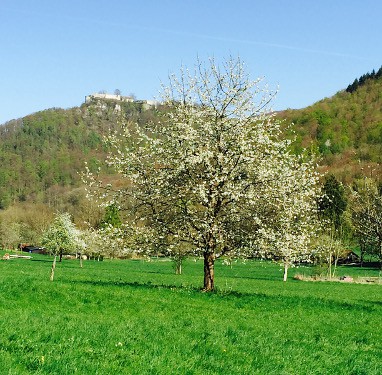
x=136 y=317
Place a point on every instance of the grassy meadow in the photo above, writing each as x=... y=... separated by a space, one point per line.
x=138 y=317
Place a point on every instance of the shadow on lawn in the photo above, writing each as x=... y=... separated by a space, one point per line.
x=243 y=299
x=365 y=265
x=136 y=284
x=173 y=287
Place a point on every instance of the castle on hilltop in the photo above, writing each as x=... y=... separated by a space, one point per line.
x=99 y=97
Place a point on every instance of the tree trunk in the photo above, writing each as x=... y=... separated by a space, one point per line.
x=330 y=264
x=60 y=256
x=335 y=265
x=209 y=260
x=178 y=267
x=80 y=260
x=53 y=268
x=178 y=261
x=286 y=265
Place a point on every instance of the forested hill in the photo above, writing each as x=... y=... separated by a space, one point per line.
x=346 y=129
x=42 y=153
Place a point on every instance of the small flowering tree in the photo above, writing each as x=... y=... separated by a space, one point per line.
x=288 y=236
x=61 y=237
x=213 y=177
x=111 y=240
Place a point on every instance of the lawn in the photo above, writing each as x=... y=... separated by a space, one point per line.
x=138 y=317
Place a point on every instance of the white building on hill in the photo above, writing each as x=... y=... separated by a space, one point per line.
x=94 y=98
x=119 y=98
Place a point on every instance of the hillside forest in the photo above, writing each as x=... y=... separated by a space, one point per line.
x=43 y=155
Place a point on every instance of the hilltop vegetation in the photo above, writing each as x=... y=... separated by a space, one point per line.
x=345 y=130
x=41 y=158
x=363 y=79
x=41 y=154
x=43 y=150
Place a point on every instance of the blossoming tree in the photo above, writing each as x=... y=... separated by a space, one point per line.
x=213 y=177
x=287 y=233
x=61 y=237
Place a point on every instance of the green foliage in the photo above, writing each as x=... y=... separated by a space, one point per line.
x=344 y=129
x=366 y=213
x=49 y=148
x=112 y=216
x=333 y=202
x=135 y=317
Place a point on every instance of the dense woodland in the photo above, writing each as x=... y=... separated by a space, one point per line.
x=344 y=130
x=43 y=155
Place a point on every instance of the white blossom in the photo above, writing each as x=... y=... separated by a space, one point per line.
x=214 y=177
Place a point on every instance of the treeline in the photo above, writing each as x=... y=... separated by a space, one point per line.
x=362 y=80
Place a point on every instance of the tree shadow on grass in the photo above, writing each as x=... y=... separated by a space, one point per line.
x=135 y=284
x=243 y=299
x=364 y=266
x=372 y=303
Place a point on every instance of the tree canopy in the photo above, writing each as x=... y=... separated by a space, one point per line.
x=333 y=202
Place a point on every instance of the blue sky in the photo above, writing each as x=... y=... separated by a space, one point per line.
x=53 y=53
